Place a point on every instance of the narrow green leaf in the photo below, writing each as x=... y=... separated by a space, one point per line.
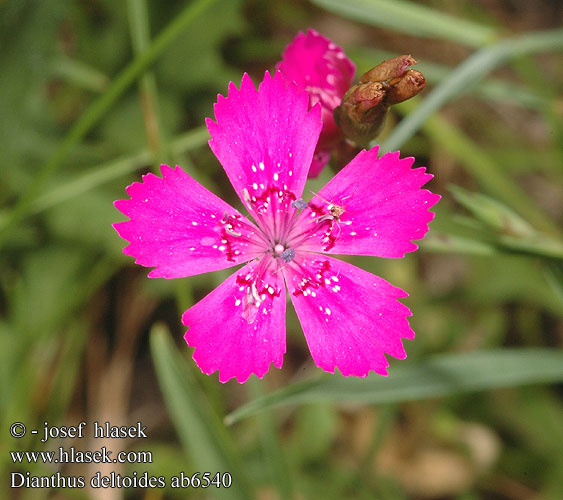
x=99 y=108
x=441 y=242
x=140 y=37
x=493 y=213
x=201 y=432
x=439 y=376
x=413 y=19
x=80 y=74
x=554 y=276
x=107 y=172
x=483 y=168
x=273 y=451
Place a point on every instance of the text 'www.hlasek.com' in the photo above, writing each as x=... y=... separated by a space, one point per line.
x=46 y=464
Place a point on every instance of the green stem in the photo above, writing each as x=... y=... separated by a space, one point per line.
x=272 y=446
x=387 y=416
x=140 y=38
x=100 y=107
x=111 y=170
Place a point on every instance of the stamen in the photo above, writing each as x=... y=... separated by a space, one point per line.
x=229 y=230
x=246 y=198
x=255 y=292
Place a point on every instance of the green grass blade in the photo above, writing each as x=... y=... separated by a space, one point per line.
x=467 y=74
x=80 y=74
x=140 y=39
x=201 y=432
x=107 y=172
x=441 y=242
x=440 y=376
x=413 y=19
x=100 y=107
x=554 y=276
x=484 y=169
x=272 y=447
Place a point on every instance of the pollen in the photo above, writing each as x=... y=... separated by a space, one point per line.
x=288 y=255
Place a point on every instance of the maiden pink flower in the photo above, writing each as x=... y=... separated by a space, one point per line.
x=319 y=66
x=265 y=140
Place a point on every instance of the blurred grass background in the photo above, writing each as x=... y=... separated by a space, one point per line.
x=93 y=93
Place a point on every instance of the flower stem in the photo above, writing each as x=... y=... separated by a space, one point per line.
x=114 y=169
x=272 y=446
x=140 y=39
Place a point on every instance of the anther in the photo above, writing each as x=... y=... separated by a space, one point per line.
x=299 y=204
x=246 y=198
x=229 y=230
x=288 y=255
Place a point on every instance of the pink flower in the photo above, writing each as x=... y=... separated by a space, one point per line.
x=265 y=141
x=320 y=67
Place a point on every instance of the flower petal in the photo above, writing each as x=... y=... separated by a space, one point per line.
x=239 y=328
x=350 y=317
x=321 y=67
x=265 y=137
x=320 y=159
x=383 y=208
x=180 y=228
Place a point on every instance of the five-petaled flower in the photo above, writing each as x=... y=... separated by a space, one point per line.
x=321 y=67
x=265 y=140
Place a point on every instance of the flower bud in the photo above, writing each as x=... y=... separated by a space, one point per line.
x=362 y=111
x=391 y=68
x=409 y=85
